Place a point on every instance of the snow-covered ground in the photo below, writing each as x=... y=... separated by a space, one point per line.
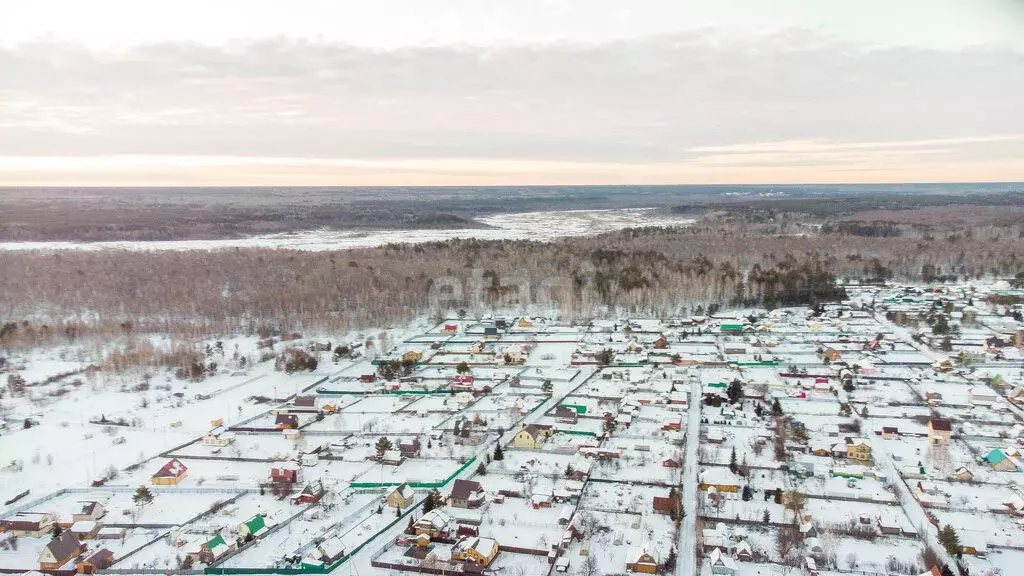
x=541 y=226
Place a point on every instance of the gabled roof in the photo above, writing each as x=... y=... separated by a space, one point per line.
x=255 y=524
x=173 y=469
x=940 y=424
x=64 y=546
x=463 y=489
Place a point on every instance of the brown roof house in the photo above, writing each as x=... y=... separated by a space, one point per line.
x=60 y=551
x=466 y=494
x=939 y=431
x=409 y=449
x=89 y=511
x=34 y=524
x=98 y=560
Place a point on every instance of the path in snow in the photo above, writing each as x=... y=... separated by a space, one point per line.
x=687 y=551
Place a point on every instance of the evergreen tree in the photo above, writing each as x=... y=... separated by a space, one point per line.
x=732 y=461
x=481 y=470
x=776 y=408
x=734 y=391
x=142 y=496
x=947 y=571
x=949 y=539
x=767 y=516
x=498 y=453
x=747 y=495
x=410 y=530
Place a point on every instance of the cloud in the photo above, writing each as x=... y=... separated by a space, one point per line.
x=694 y=98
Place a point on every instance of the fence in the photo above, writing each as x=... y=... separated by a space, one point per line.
x=440 y=484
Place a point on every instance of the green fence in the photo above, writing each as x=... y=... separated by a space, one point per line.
x=414 y=484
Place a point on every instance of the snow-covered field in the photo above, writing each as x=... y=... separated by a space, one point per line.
x=541 y=226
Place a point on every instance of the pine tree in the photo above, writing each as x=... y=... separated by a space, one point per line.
x=732 y=461
x=142 y=496
x=767 y=517
x=747 y=495
x=949 y=539
x=498 y=453
x=947 y=571
x=481 y=470
x=410 y=529
x=776 y=408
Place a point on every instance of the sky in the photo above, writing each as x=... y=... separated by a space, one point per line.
x=486 y=92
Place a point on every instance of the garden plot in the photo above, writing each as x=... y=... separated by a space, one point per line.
x=412 y=470
x=883 y=392
x=880 y=555
x=1009 y=561
x=442 y=403
x=998 y=529
x=601 y=387
x=734 y=508
x=594 y=406
x=300 y=533
x=843 y=515
x=380 y=403
x=638 y=467
x=620 y=497
x=204 y=473
x=496 y=403
x=752 y=445
x=245 y=445
x=822 y=404
x=568 y=443
x=268 y=420
x=969 y=496
x=170 y=506
x=618 y=536
x=941 y=460
x=839 y=487
x=516 y=523
x=542 y=463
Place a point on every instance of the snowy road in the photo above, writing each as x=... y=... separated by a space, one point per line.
x=687 y=552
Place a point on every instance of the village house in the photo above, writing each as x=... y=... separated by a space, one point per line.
x=858 y=449
x=532 y=436
x=219 y=437
x=60 y=551
x=1003 y=460
x=466 y=494
x=31 y=524
x=400 y=496
x=170 y=474
x=480 y=551
x=305 y=401
x=255 y=527
x=721 y=479
x=962 y=474
x=642 y=560
x=90 y=510
x=669 y=505
x=939 y=431
x=981 y=396
x=84 y=529
x=409 y=448
x=310 y=493
x=435 y=524
x=97 y=560
x=566 y=415
x=286 y=421
x=721 y=564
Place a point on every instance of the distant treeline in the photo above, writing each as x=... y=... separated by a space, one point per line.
x=716 y=262
x=125 y=214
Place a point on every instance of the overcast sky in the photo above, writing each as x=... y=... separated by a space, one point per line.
x=514 y=92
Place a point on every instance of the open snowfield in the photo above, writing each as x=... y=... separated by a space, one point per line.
x=540 y=226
